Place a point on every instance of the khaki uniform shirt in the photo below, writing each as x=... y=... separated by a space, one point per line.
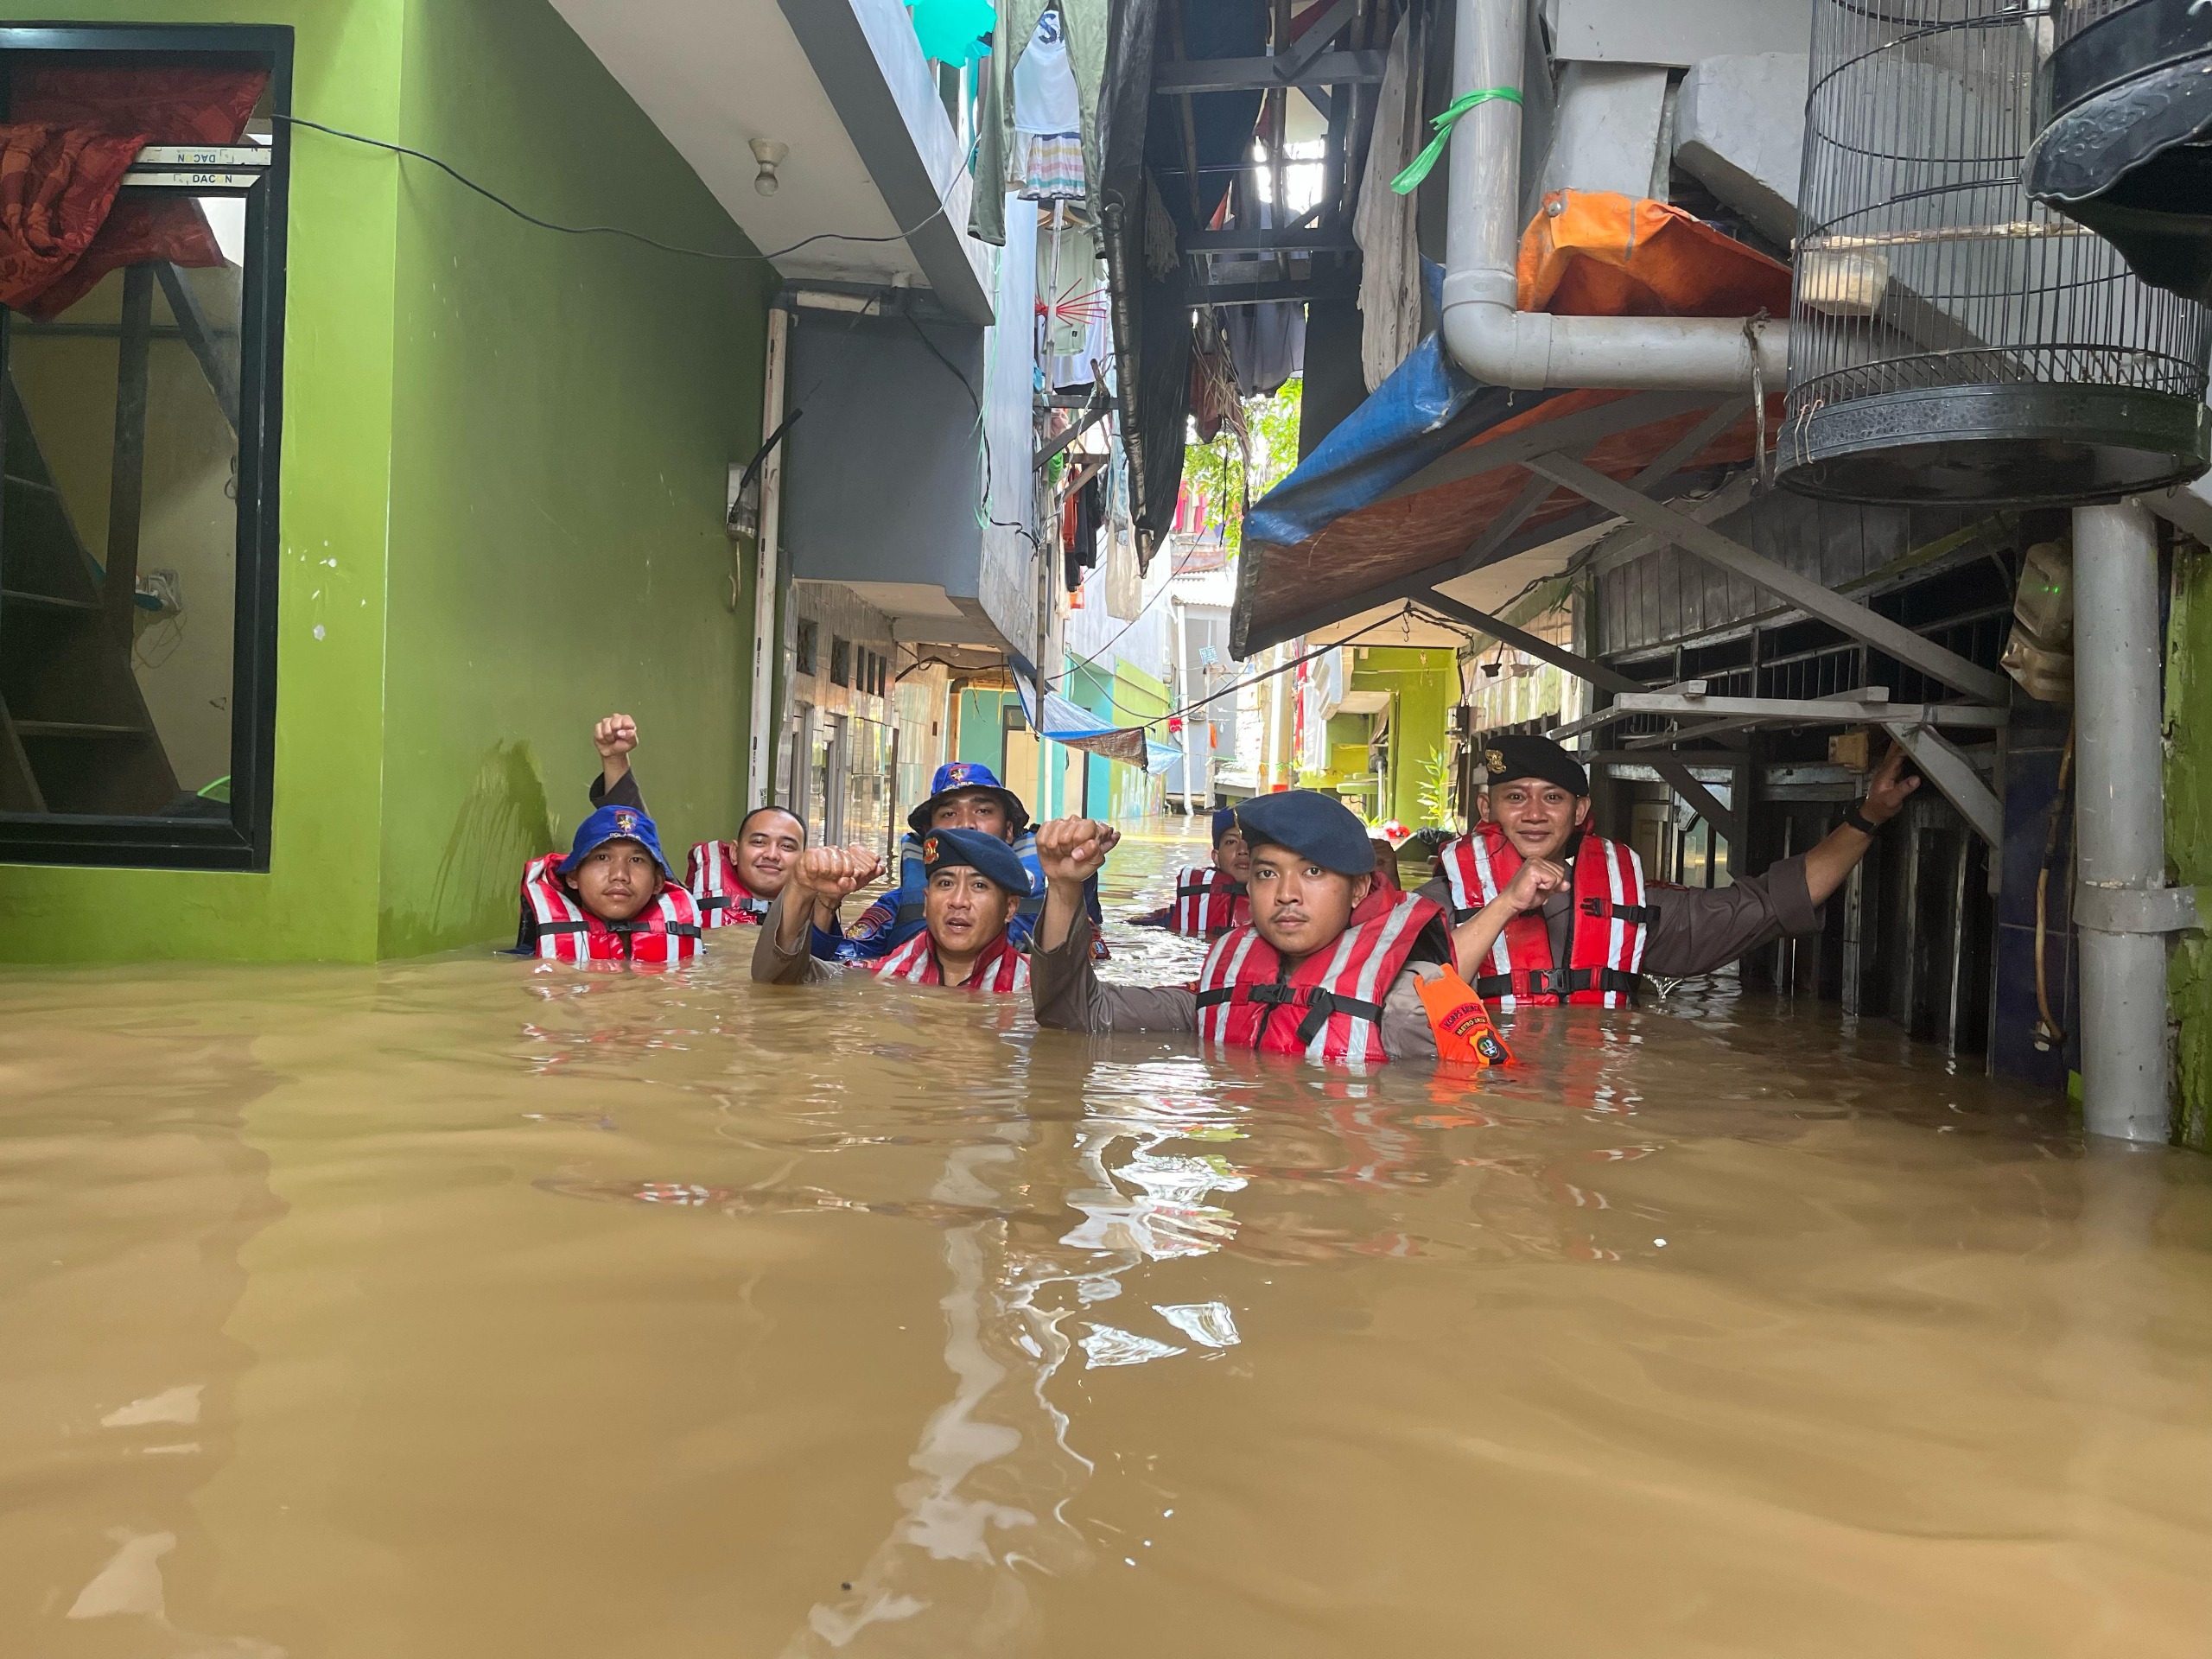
x=1697 y=929
x=774 y=965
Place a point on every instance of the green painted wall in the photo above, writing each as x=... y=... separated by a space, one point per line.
x=1139 y=697
x=318 y=898
x=2189 y=831
x=565 y=412
x=504 y=453
x=1423 y=684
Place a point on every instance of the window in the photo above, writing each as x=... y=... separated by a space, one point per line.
x=841 y=661
x=809 y=637
x=139 y=419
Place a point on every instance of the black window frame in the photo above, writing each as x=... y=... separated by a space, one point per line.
x=806 y=647
x=840 y=660
x=242 y=843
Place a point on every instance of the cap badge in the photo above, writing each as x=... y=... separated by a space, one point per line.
x=956 y=774
x=929 y=851
x=1493 y=761
x=626 y=823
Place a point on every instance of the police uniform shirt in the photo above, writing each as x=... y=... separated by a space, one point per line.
x=1697 y=929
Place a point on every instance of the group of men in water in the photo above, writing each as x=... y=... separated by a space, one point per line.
x=1315 y=949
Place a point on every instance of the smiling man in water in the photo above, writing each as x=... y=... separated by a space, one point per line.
x=1548 y=912
x=972 y=886
x=1333 y=967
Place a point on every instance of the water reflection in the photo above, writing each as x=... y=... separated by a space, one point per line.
x=456 y=1308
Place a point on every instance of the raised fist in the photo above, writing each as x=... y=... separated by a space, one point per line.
x=615 y=736
x=1533 y=883
x=1074 y=850
x=831 y=874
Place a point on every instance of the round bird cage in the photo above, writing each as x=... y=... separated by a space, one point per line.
x=1952 y=341
x=2126 y=148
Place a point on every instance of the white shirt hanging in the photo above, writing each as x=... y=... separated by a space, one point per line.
x=1044 y=85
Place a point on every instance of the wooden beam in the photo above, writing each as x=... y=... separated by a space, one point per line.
x=192 y=323
x=1179 y=79
x=1854 y=620
x=1256 y=239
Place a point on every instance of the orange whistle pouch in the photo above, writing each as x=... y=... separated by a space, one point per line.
x=1461 y=1023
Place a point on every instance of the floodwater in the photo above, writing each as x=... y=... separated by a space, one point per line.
x=466 y=1308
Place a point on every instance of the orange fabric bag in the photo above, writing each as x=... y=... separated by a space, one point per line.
x=1594 y=253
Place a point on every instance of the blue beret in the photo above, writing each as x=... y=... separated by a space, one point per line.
x=615 y=823
x=1223 y=821
x=989 y=856
x=1313 y=825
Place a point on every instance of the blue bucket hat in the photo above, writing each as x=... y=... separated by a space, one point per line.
x=615 y=823
x=956 y=775
x=1313 y=825
x=989 y=856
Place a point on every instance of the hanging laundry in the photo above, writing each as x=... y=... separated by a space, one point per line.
x=1071 y=292
x=1081 y=27
x=1046 y=161
x=1267 y=343
x=1081 y=515
x=1385 y=224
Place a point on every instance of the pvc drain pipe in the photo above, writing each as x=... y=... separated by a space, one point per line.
x=1502 y=346
x=2122 y=906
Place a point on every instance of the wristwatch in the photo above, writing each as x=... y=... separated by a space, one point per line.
x=1861 y=822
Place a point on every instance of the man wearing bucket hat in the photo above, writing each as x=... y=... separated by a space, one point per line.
x=612 y=899
x=963 y=795
x=972 y=886
x=1548 y=912
x=1332 y=968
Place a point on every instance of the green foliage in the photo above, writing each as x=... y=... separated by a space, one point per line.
x=1222 y=470
x=1436 y=793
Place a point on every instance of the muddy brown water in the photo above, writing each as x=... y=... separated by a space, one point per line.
x=470 y=1307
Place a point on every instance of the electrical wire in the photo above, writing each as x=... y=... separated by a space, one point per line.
x=499 y=200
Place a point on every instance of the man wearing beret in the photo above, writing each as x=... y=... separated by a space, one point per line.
x=1548 y=912
x=972 y=884
x=1331 y=967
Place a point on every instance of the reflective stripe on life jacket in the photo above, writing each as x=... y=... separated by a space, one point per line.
x=1611 y=921
x=724 y=900
x=1327 y=1005
x=1001 y=968
x=667 y=930
x=1208 y=901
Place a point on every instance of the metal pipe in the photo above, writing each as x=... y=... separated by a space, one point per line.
x=760 y=784
x=1501 y=346
x=2120 y=818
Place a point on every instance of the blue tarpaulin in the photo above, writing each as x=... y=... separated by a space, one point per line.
x=1068 y=722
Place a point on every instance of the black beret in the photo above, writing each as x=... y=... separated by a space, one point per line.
x=986 y=854
x=1313 y=825
x=1506 y=758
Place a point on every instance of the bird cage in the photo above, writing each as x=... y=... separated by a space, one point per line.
x=1952 y=341
x=2127 y=145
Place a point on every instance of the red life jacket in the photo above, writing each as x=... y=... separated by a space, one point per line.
x=1611 y=920
x=720 y=892
x=667 y=930
x=1326 y=1007
x=1208 y=901
x=1001 y=968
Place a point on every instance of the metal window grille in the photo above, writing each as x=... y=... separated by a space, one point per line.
x=1951 y=340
